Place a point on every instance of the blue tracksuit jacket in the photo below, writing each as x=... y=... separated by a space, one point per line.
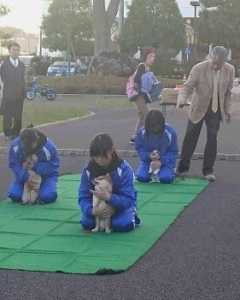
x=168 y=148
x=46 y=166
x=167 y=145
x=123 y=198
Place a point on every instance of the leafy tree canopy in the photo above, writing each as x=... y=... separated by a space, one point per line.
x=153 y=22
x=68 y=22
x=4 y=10
x=219 y=23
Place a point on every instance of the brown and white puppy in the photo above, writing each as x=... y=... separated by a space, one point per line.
x=102 y=182
x=30 y=194
x=155 y=155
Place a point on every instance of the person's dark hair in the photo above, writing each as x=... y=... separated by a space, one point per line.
x=154 y=122
x=147 y=51
x=28 y=135
x=10 y=45
x=100 y=145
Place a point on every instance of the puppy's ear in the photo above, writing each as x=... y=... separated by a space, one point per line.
x=108 y=177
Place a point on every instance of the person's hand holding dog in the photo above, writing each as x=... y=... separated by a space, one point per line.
x=28 y=164
x=32 y=181
x=103 y=212
x=101 y=194
x=156 y=163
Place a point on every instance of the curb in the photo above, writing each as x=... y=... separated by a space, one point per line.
x=132 y=153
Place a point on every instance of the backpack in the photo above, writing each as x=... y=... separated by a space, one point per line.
x=132 y=89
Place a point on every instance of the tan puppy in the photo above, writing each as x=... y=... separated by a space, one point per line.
x=155 y=155
x=30 y=194
x=105 y=183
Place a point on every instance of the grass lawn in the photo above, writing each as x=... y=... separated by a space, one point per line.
x=64 y=107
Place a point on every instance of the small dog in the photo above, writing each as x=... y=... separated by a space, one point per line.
x=30 y=194
x=105 y=183
x=155 y=155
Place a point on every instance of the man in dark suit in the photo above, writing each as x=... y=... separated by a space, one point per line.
x=211 y=83
x=12 y=72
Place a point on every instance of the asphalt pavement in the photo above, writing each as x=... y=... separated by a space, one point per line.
x=198 y=256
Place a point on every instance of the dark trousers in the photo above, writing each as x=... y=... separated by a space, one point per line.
x=212 y=121
x=11 y=125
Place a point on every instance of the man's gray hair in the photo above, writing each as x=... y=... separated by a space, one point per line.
x=219 y=53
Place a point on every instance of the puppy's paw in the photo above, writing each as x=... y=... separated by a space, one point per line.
x=108 y=230
x=96 y=229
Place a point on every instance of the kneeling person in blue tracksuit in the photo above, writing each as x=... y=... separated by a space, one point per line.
x=156 y=135
x=31 y=142
x=121 y=203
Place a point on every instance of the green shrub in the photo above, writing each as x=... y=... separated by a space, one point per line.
x=167 y=68
x=91 y=84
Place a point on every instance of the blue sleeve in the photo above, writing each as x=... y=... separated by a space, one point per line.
x=140 y=147
x=51 y=165
x=84 y=194
x=125 y=197
x=170 y=155
x=16 y=167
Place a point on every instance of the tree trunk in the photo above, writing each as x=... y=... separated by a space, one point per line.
x=102 y=23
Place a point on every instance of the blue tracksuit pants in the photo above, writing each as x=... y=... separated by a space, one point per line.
x=121 y=221
x=47 y=192
x=166 y=173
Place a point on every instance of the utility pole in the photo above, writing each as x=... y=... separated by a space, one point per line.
x=195 y=4
x=121 y=16
x=40 y=42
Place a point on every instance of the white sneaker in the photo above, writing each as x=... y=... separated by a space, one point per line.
x=210 y=177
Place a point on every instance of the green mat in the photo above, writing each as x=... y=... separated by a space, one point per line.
x=49 y=237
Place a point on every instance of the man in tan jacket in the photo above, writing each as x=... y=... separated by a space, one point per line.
x=211 y=82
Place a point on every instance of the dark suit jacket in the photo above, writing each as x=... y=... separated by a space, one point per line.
x=13 y=88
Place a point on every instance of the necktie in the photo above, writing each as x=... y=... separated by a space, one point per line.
x=215 y=93
x=15 y=63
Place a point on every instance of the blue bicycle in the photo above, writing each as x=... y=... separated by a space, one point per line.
x=44 y=91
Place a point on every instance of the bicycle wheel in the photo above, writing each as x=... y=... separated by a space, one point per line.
x=51 y=94
x=31 y=94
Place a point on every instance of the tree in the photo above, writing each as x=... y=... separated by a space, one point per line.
x=219 y=23
x=153 y=22
x=8 y=33
x=102 y=23
x=4 y=37
x=4 y=10
x=68 y=26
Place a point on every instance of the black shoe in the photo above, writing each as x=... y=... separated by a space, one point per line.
x=178 y=171
x=11 y=137
x=132 y=141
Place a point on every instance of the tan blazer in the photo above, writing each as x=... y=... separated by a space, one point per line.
x=199 y=85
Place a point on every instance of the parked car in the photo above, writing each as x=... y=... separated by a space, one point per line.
x=62 y=68
x=26 y=59
x=82 y=67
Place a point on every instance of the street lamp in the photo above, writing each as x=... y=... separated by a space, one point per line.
x=40 y=42
x=195 y=4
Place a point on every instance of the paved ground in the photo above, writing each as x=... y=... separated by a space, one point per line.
x=198 y=256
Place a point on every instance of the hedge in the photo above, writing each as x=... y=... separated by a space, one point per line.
x=90 y=84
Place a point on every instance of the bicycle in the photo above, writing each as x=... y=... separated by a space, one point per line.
x=44 y=91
